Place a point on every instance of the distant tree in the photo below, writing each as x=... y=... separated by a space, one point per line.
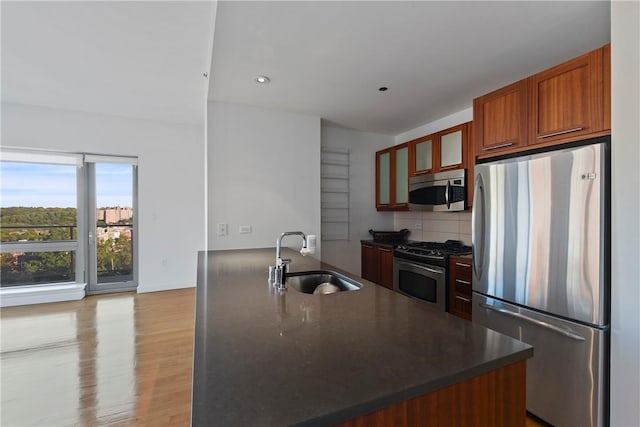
x=113 y=255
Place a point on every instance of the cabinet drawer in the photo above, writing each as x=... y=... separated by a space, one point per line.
x=461 y=269
x=462 y=287
x=461 y=306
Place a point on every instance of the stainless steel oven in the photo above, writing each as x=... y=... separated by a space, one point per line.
x=422 y=281
x=420 y=269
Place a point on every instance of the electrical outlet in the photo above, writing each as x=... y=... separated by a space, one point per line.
x=222 y=229
x=245 y=229
x=417 y=226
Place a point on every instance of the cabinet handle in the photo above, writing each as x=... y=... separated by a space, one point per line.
x=559 y=133
x=495 y=147
x=384 y=250
x=461 y=264
x=464 y=282
x=367 y=246
x=463 y=299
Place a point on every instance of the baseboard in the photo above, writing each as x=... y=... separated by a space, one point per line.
x=165 y=287
x=41 y=294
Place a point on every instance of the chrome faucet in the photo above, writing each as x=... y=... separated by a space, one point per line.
x=278 y=271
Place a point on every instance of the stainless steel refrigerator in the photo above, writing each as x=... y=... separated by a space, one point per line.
x=541 y=273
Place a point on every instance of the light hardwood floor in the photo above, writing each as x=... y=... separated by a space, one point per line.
x=117 y=360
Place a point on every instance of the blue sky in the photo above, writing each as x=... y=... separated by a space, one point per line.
x=44 y=185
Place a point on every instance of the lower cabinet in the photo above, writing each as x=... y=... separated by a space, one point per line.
x=377 y=263
x=460 y=287
x=496 y=398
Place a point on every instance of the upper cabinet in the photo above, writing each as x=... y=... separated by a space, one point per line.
x=500 y=118
x=421 y=151
x=451 y=150
x=567 y=100
x=392 y=178
x=383 y=179
x=447 y=149
x=452 y=147
x=566 y=103
x=401 y=184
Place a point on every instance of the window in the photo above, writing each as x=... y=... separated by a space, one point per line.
x=39 y=219
x=68 y=218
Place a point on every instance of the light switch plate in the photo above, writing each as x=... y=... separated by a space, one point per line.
x=245 y=229
x=222 y=229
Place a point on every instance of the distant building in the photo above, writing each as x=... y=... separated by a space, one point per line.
x=104 y=233
x=114 y=215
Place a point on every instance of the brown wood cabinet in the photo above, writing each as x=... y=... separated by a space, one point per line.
x=392 y=178
x=422 y=154
x=448 y=149
x=460 y=287
x=500 y=119
x=565 y=103
x=377 y=263
x=441 y=151
x=496 y=398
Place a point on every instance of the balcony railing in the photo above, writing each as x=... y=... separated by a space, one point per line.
x=47 y=254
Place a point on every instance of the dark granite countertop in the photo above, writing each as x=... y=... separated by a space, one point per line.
x=263 y=359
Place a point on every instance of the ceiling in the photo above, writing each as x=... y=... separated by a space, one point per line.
x=328 y=59
x=146 y=59
x=132 y=59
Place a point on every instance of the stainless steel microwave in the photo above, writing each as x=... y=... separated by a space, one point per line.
x=440 y=192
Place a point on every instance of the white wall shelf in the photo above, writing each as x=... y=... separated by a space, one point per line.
x=334 y=193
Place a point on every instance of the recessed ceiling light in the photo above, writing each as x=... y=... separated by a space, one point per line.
x=383 y=89
x=262 y=79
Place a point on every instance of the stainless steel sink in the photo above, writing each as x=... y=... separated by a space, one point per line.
x=321 y=282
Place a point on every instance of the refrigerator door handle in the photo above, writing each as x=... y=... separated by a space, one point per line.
x=478 y=226
x=536 y=322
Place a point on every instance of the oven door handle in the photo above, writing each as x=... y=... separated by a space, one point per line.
x=400 y=263
x=446 y=195
x=431 y=270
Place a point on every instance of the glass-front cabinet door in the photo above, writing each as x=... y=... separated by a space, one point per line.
x=402 y=176
x=451 y=147
x=392 y=178
x=423 y=159
x=384 y=179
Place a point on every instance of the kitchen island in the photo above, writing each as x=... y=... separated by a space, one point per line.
x=370 y=356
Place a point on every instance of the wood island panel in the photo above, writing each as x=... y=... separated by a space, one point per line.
x=497 y=398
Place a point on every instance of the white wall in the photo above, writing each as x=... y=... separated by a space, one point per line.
x=170 y=179
x=362 y=210
x=625 y=209
x=263 y=171
x=454 y=119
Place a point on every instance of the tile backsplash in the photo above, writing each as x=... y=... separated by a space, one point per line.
x=435 y=226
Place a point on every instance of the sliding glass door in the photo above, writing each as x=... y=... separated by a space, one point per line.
x=112 y=239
